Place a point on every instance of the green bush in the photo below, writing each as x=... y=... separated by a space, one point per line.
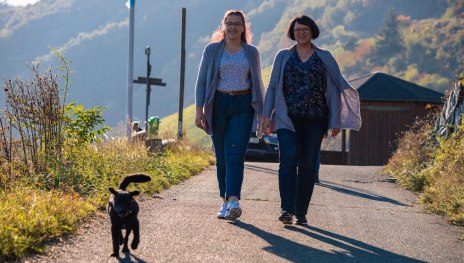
x=445 y=194
x=414 y=154
x=44 y=206
x=433 y=166
x=55 y=170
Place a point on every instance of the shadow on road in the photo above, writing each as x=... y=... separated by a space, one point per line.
x=260 y=169
x=129 y=258
x=357 y=193
x=354 y=250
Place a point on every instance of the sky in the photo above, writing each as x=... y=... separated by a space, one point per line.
x=19 y=2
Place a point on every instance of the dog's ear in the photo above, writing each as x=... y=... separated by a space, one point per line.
x=134 y=193
x=111 y=189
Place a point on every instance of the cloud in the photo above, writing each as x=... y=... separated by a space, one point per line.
x=85 y=36
x=262 y=8
x=17 y=17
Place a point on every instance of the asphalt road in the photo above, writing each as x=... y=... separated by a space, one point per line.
x=356 y=215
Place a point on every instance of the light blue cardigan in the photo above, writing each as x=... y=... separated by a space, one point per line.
x=342 y=99
x=208 y=75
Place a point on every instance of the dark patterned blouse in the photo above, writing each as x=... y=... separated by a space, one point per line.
x=304 y=88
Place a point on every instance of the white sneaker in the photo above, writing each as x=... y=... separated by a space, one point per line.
x=233 y=210
x=222 y=211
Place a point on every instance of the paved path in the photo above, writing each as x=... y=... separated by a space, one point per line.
x=356 y=215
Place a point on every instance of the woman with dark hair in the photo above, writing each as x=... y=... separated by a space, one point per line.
x=229 y=98
x=307 y=96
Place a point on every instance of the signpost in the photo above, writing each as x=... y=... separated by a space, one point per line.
x=148 y=82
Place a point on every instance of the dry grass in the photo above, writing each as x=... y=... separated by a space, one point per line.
x=433 y=167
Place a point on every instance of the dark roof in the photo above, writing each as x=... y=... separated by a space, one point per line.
x=383 y=87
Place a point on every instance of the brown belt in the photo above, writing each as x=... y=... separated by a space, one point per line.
x=235 y=92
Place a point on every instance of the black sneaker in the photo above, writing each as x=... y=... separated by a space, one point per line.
x=286 y=217
x=301 y=220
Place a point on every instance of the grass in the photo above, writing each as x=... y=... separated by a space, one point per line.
x=434 y=168
x=30 y=216
x=43 y=207
x=444 y=193
x=55 y=170
x=194 y=135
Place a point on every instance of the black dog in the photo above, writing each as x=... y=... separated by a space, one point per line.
x=122 y=210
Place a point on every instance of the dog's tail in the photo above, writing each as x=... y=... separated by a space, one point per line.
x=133 y=178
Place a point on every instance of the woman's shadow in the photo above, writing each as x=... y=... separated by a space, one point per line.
x=353 y=250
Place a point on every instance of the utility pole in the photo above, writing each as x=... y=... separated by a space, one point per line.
x=130 y=70
x=182 y=75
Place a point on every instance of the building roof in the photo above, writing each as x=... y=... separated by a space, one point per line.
x=383 y=87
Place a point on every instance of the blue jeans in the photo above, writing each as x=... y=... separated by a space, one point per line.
x=232 y=121
x=298 y=159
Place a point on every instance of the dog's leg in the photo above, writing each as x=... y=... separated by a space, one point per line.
x=120 y=237
x=115 y=231
x=136 y=240
x=125 y=247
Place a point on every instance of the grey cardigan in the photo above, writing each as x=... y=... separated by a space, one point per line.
x=208 y=74
x=342 y=99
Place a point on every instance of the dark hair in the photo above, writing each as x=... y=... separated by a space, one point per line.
x=220 y=33
x=303 y=20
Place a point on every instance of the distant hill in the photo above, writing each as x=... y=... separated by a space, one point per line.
x=94 y=35
x=169 y=128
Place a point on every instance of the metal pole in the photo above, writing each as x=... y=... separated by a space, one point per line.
x=130 y=70
x=344 y=161
x=147 y=52
x=182 y=74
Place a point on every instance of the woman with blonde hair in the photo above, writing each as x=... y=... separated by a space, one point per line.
x=229 y=99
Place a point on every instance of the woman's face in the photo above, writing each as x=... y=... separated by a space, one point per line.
x=302 y=33
x=234 y=27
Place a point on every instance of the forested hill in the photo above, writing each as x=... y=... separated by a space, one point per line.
x=420 y=41
x=427 y=36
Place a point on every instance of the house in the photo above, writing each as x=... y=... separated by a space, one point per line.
x=389 y=106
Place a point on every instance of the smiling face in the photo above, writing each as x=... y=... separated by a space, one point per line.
x=233 y=27
x=302 y=33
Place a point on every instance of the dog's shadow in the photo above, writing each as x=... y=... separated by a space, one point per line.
x=129 y=258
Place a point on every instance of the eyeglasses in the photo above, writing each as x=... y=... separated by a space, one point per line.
x=301 y=30
x=236 y=24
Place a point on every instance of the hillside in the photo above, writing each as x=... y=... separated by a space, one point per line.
x=430 y=32
x=96 y=40
x=196 y=136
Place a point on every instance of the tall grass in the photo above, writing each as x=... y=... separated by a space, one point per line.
x=445 y=191
x=433 y=166
x=55 y=170
x=32 y=211
x=415 y=152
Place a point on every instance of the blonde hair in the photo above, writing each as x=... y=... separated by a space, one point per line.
x=220 y=33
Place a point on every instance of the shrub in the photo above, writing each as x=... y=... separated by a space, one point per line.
x=414 y=154
x=445 y=195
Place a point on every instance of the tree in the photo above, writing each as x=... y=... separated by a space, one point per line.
x=389 y=42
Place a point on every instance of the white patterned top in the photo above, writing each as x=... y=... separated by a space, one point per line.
x=234 y=72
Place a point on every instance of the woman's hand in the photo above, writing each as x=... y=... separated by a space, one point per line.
x=334 y=131
x=265 y=126
x=200 y=120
